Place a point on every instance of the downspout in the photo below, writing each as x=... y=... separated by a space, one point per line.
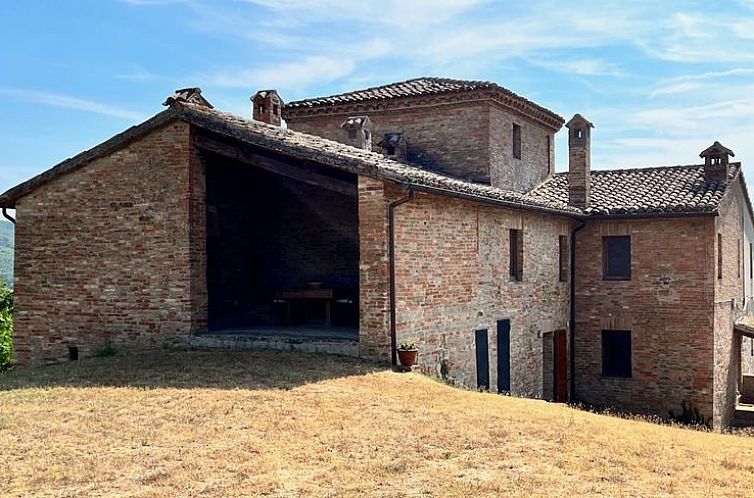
x=391 y=262
x=572 y=333
x=8 y=217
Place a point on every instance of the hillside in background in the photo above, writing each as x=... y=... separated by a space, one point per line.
x=6 y=252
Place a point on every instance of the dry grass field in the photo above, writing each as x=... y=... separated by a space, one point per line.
x=277 y=424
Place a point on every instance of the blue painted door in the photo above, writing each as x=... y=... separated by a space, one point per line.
x=482 y=359
x=503 y=356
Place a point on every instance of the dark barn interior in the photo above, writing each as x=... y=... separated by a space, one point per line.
x=282 y=246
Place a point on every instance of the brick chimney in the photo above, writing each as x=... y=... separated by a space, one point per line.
x=358 y=132
x=716 y=164
x=579 y=162
x=267 y=106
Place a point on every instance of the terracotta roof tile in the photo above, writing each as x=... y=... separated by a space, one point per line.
x=667 y=189
x=297 y=145
x=418 y=87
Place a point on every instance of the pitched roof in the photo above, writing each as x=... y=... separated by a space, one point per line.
x=297 y=145
x=669 y=190
x=418 y=87
x=666 y=190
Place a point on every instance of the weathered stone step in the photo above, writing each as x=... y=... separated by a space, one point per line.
x=278 y=343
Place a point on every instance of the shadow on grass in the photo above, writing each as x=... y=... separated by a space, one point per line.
x=192 y=369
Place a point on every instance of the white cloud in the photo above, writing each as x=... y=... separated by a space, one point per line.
x=69 y=102
x=584 y=67
x=705 y=82
x=296 y=74
x=139 y=75
x=411 y=14
x=701 y=37
x=675 y=88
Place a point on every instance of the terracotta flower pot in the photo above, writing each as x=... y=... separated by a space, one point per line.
x=407 y=357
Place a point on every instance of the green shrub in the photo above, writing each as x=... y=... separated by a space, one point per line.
x=6 y=326
x=105 y=351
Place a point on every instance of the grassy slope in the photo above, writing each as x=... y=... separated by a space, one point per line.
x=222 y=424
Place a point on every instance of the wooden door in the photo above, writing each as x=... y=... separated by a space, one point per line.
x=482 y=359
x=561 y=367
x=503 y=356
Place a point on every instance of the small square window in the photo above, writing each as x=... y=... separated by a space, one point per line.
x=616 y=353
x=516 y=141
x=616 y=258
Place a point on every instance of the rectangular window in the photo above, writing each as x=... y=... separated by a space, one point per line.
x=516 y=255
x=516 y=141
x=751 y=262
x=564 y=257
x=616 y=258
x=719 y=255
x=616 y=353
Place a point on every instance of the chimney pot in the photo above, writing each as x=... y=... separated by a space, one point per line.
x=579 y=161
x=267 y=107
x=716 y=163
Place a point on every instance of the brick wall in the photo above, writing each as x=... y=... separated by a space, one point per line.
x=666 y=306
x=727 y=345
x=537 y=159
x=374 y=272
x=450 y=138
x=104 y=255
x=452 y=277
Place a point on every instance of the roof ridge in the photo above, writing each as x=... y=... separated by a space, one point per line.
x=644 y=168
x=388 y=85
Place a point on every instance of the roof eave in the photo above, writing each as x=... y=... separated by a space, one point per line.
x=493 y=202
x=9 y=198
x=680 y=214
x=494 y=93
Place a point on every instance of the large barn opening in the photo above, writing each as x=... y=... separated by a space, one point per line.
x=282 y=246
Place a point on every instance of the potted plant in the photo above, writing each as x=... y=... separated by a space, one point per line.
x=407 y=352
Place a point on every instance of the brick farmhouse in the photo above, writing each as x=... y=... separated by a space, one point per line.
x=426 y=211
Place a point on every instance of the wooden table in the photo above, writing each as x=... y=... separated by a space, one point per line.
x=309 y=294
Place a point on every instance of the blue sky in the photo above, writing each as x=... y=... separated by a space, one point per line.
x=660 y=80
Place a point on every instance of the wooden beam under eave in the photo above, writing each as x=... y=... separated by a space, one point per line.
x=274 y=166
